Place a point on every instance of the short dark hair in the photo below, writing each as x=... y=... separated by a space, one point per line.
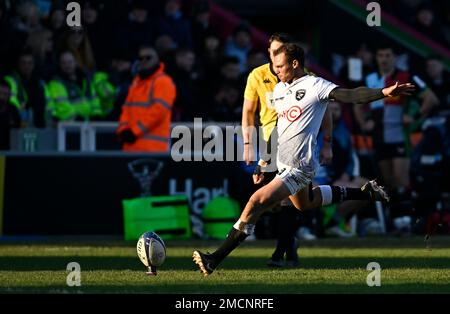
x=25 y=52
x=146 y=46
x=184 y=51
x=281 y=37
x=230 y=60
x=293 y=52
x=386 y=46
x=62 y=52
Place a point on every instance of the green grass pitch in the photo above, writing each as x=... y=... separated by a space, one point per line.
x=408 y=265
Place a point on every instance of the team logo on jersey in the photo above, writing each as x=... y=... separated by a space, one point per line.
x=266 y=81
x=300 y=94
x=292 y=114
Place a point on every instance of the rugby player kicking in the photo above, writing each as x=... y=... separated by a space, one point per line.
x=300 y=101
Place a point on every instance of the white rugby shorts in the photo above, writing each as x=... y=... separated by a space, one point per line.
x=295 y=179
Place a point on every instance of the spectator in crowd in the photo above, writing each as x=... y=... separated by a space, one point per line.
x=28 y=91
x=136 y=31
x=97 y=35
x=230 y=69
x=174 y=24
x=9 y=35
x=77 y=42
x=144 y=124
x=71 y=92
x=9 y=115
x=201 y=24
x=120 y=77
x=229 y=74
x=165 y=47
x=27 y=19
x=226 y=106
x=57 y=21
x=365 y=54
x=211 y=55
x=386 y=120
x=354 y=76
x=187 y=80
x=403 y=9
x=42 y=46
x=426 y=22
x=255 y=59
x=239 y=45
x=439 y=82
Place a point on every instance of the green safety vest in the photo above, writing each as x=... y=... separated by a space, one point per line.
x=105 y=91
x=66 y=100
x=19 y=96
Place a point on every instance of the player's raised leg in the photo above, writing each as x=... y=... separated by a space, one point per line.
x=261 y=201
x=322 y=195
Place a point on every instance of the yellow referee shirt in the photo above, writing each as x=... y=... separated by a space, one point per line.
x=260 y=84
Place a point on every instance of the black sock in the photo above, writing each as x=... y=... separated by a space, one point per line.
x=341 y=194
x=233 y=240
x=287 y=227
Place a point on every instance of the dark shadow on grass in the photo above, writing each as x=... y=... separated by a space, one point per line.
x=113 y=241
x=58 y=263
x=213 y=287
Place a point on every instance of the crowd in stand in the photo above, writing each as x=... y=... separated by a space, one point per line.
x=430 y=18
x=51 y=72
x=60 y=73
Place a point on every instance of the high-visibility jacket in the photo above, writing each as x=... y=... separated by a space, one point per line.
x=67 y=100
x=147 y=112
x=19 y=95
x=105 y=91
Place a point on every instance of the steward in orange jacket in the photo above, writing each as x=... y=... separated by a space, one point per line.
x=144 y=124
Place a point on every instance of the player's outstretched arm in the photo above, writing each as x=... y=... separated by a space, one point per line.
x=365 y=94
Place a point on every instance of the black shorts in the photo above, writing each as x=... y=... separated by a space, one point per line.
x=390 y=151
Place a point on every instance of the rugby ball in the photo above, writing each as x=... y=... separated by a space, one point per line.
x=151 y=249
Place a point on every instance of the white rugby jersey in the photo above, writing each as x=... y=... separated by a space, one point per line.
x=300 y=107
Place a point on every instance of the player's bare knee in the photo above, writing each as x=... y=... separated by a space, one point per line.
x=259 y=203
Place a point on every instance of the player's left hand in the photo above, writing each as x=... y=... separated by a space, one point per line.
x=399 y=90
x=326 y=155
x=258 y=178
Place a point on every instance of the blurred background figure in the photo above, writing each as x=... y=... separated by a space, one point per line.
x=187 y=81
x=174 y=24
x=439 y=81
x=226 y=104
x=42 y=46
x=239 y=45
x=120 y=76
x=28 y=91
x=56 y=21
x=144 y=124
x=136 y=30
x=76 y=41
x=71 y=93
x=9 y=115
x=427 y=23
x=201 y=24
x=388 y=122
